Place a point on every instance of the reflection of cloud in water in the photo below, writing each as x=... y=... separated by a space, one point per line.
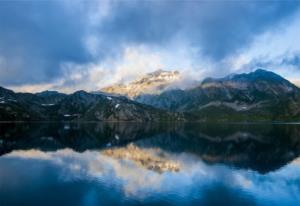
x=93 y=164
x=296 y=161
x=138 y=182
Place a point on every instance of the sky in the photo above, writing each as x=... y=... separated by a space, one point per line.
x=69 y=45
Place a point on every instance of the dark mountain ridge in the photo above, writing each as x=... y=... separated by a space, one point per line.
x=80 y=106
x=258 y=95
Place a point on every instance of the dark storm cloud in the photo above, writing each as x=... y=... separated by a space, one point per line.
x=293 y=60
x=284 y=61
x=217 y=28
x=36 y=37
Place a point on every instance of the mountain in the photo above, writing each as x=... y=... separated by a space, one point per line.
x=82 y=106
x=51 y=97
x=255 y=96
x=258 y=95
x=152 y=83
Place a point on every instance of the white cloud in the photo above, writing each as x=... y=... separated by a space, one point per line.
x=134 y=62
x=99 y=11
x=271 y=47
x=194 y=175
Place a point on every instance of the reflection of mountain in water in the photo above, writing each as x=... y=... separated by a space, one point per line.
x=80 y=137
x=263 y=147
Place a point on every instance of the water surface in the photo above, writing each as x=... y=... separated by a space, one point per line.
x=66 y=164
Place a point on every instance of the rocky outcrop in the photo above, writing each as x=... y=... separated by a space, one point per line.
x=152 y=83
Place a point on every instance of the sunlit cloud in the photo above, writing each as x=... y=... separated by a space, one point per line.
x=116 y=41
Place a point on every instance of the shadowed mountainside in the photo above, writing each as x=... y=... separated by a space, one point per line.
x=256 y=96
x=259 y=95
x=81 y=106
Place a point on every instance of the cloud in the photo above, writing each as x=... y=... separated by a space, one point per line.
x=61 y=43
x=130 y=65
x=216 y=29
x=35 y=37
x=276 y=50
x=133 y=63
x=195 y=179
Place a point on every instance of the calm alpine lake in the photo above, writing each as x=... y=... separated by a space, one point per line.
x=87 y=164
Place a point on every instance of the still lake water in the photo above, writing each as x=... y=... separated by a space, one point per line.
x=57 y=164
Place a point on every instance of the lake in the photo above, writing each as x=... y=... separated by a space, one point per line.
x=89 y=164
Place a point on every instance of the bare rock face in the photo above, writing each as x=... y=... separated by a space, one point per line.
x=142 y=158
x=152 y=83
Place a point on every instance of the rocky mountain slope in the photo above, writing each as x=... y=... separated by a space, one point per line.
x=53 y=106
x=152 y=83
x=259 y=95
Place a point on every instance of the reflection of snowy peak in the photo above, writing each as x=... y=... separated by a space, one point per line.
x=152 y=83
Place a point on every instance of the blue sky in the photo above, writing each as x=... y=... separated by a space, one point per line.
x=71 y=45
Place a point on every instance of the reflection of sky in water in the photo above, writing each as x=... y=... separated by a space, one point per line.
x=91 y=178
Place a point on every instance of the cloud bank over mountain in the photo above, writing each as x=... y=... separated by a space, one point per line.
x=69 y=45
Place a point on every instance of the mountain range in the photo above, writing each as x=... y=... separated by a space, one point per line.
x=81 y=105
x=259 y=95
